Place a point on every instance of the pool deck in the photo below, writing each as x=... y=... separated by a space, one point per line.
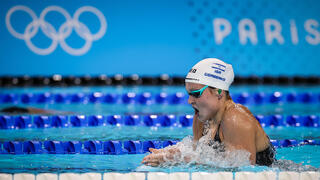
x=270 y=175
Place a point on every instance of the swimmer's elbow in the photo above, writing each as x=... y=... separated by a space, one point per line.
x=253 y=158
x=187 y=159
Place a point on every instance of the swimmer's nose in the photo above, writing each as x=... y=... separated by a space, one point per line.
x=191 y=100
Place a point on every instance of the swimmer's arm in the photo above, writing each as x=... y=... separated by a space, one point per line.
x=240 y=134
x=159 y=156
x=32 y=110
x=171 y=156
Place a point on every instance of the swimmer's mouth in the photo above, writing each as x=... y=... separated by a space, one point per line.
x=196 y=111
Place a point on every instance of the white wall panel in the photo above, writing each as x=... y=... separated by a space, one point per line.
x=47 y=176
x=24 y=176
x=288 y=175
x=124 y=176
x=310 y=176
x=5 y=176
x=218 y=176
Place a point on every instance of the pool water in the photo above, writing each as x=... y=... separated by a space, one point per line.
x=303 y=158
x=84 y=107
x=297 y=158
x=143 y=133
x=36 y=163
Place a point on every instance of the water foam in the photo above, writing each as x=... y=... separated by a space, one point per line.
x=207 y=153
x=288 y=165
x=213 y=158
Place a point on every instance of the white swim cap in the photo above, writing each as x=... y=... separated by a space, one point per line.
x=212 y=72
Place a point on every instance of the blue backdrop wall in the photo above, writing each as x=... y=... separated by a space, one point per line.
x=259 y=37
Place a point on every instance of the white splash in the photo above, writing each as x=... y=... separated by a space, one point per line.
x=207 y=154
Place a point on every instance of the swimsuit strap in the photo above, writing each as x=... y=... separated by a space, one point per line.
x=206 y=128
x=217 y=137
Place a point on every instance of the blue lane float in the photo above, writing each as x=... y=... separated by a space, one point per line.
x=151 y=144
x=167 y=120
x=96 y=120
x=53 y=147
x=113 y=147
x=109 y=147
x=6 y=122
x=290 y=120
x=79 y=121
x=42 y=121
x=62 y=121
x=133 y=147
x=32 y=147
x=186 y=120
x=23 y=122
x=59 y=121
x=147 y=98
x=93 y=147
x=151 y=120
x=132 y=120
x=12 y=147
x=114 y=120
x=72 y=147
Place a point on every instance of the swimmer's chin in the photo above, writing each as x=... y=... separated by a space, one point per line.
x=201 y=119
x=198 y=116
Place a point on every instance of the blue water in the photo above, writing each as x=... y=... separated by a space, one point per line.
x=36 y=163
x=142 y=133
x=307 y=155
x=102 y=108
x=109 y=109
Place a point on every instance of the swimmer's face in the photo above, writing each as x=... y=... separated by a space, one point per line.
x=205 y=106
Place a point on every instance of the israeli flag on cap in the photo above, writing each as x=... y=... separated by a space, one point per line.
x=219 y=67
x=212 y=72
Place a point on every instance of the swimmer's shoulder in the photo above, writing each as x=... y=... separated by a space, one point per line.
x=238 y=115
x=235 y=123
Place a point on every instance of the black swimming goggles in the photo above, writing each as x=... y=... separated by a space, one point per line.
x=197 y=93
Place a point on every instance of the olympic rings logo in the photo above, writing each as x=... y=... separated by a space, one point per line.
x=64 y=31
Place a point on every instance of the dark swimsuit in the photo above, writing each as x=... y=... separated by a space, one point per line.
x=263 y=158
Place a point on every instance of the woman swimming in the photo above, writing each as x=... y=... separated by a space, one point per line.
x=217 y=116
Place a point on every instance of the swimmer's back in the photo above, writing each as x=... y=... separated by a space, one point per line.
x=261 y=138
x=13 y=110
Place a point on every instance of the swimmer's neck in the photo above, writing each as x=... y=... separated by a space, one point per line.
x=218 y=117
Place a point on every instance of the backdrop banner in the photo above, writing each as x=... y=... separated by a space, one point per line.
x=90 y=37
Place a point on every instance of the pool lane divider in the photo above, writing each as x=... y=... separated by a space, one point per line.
x=109 y=147
x=64 y=121
x=136 y=80
x=147 y=98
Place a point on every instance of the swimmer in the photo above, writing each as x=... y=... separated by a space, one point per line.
x=30 y=110
x=216 y=116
